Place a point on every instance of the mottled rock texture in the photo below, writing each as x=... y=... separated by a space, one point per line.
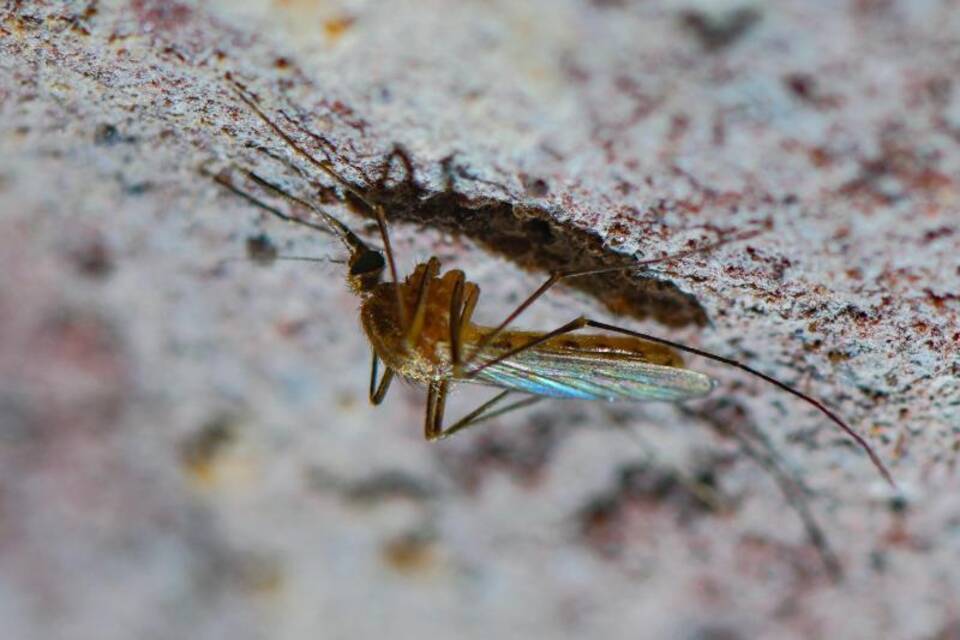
x=186 y=448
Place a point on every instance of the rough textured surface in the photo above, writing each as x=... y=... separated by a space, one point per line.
x=186 y=448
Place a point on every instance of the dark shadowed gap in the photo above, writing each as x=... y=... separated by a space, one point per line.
x=533 y=240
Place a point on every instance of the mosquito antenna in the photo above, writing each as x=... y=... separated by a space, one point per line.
x=874 y=458
x=348 y=237
x=224 y=182
x=323 y=259
x=323 y=165
x=328 y=169
x=319 y=259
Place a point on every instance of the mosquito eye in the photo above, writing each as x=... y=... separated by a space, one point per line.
x=367 y=262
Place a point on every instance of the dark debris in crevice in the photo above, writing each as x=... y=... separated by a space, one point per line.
x=528 y=235
x=534 y=240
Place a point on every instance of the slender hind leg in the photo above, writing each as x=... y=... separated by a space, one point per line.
x=411 y=175
x=416 y=323
x=558 y=276
x=874 y=458
x=582 y=322
x=463 y=300
x=379 y=391
x=436 y=403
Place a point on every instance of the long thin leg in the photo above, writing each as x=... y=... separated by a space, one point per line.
x=777 y=383
x=456 y=308
x=413 y=329
x=571 y=326
x=379 y=212
x=398 y=152
x=477 y=416
x=436 y=401
x=435 y=393
x=378 y=209
x=463 y=300
x=582 y=322
x=472 y=296
x=379 y=391
x=566 y=275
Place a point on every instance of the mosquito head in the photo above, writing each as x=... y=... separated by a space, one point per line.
x=366 y=268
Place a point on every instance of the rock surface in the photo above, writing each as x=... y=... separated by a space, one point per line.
x=186 y=448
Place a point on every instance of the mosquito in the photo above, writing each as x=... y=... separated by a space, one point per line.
x=421 y=328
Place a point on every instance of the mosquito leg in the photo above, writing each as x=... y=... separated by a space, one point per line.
x=582 y=322
x=463 y=300
x=436 y=401
x=429 y=272
x=378 y=391
x=477 y=416
x=863 y=444
x=558 y=276
x=456 y=308
x=380 y=213
x=391 y=261
x=398 y=152
x=571 y=326
x=324 y=165
x=552 y=280
x=472 y=295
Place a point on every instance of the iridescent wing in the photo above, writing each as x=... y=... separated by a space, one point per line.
x=590 y=375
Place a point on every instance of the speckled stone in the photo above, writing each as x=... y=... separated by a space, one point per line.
x=186 y=448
